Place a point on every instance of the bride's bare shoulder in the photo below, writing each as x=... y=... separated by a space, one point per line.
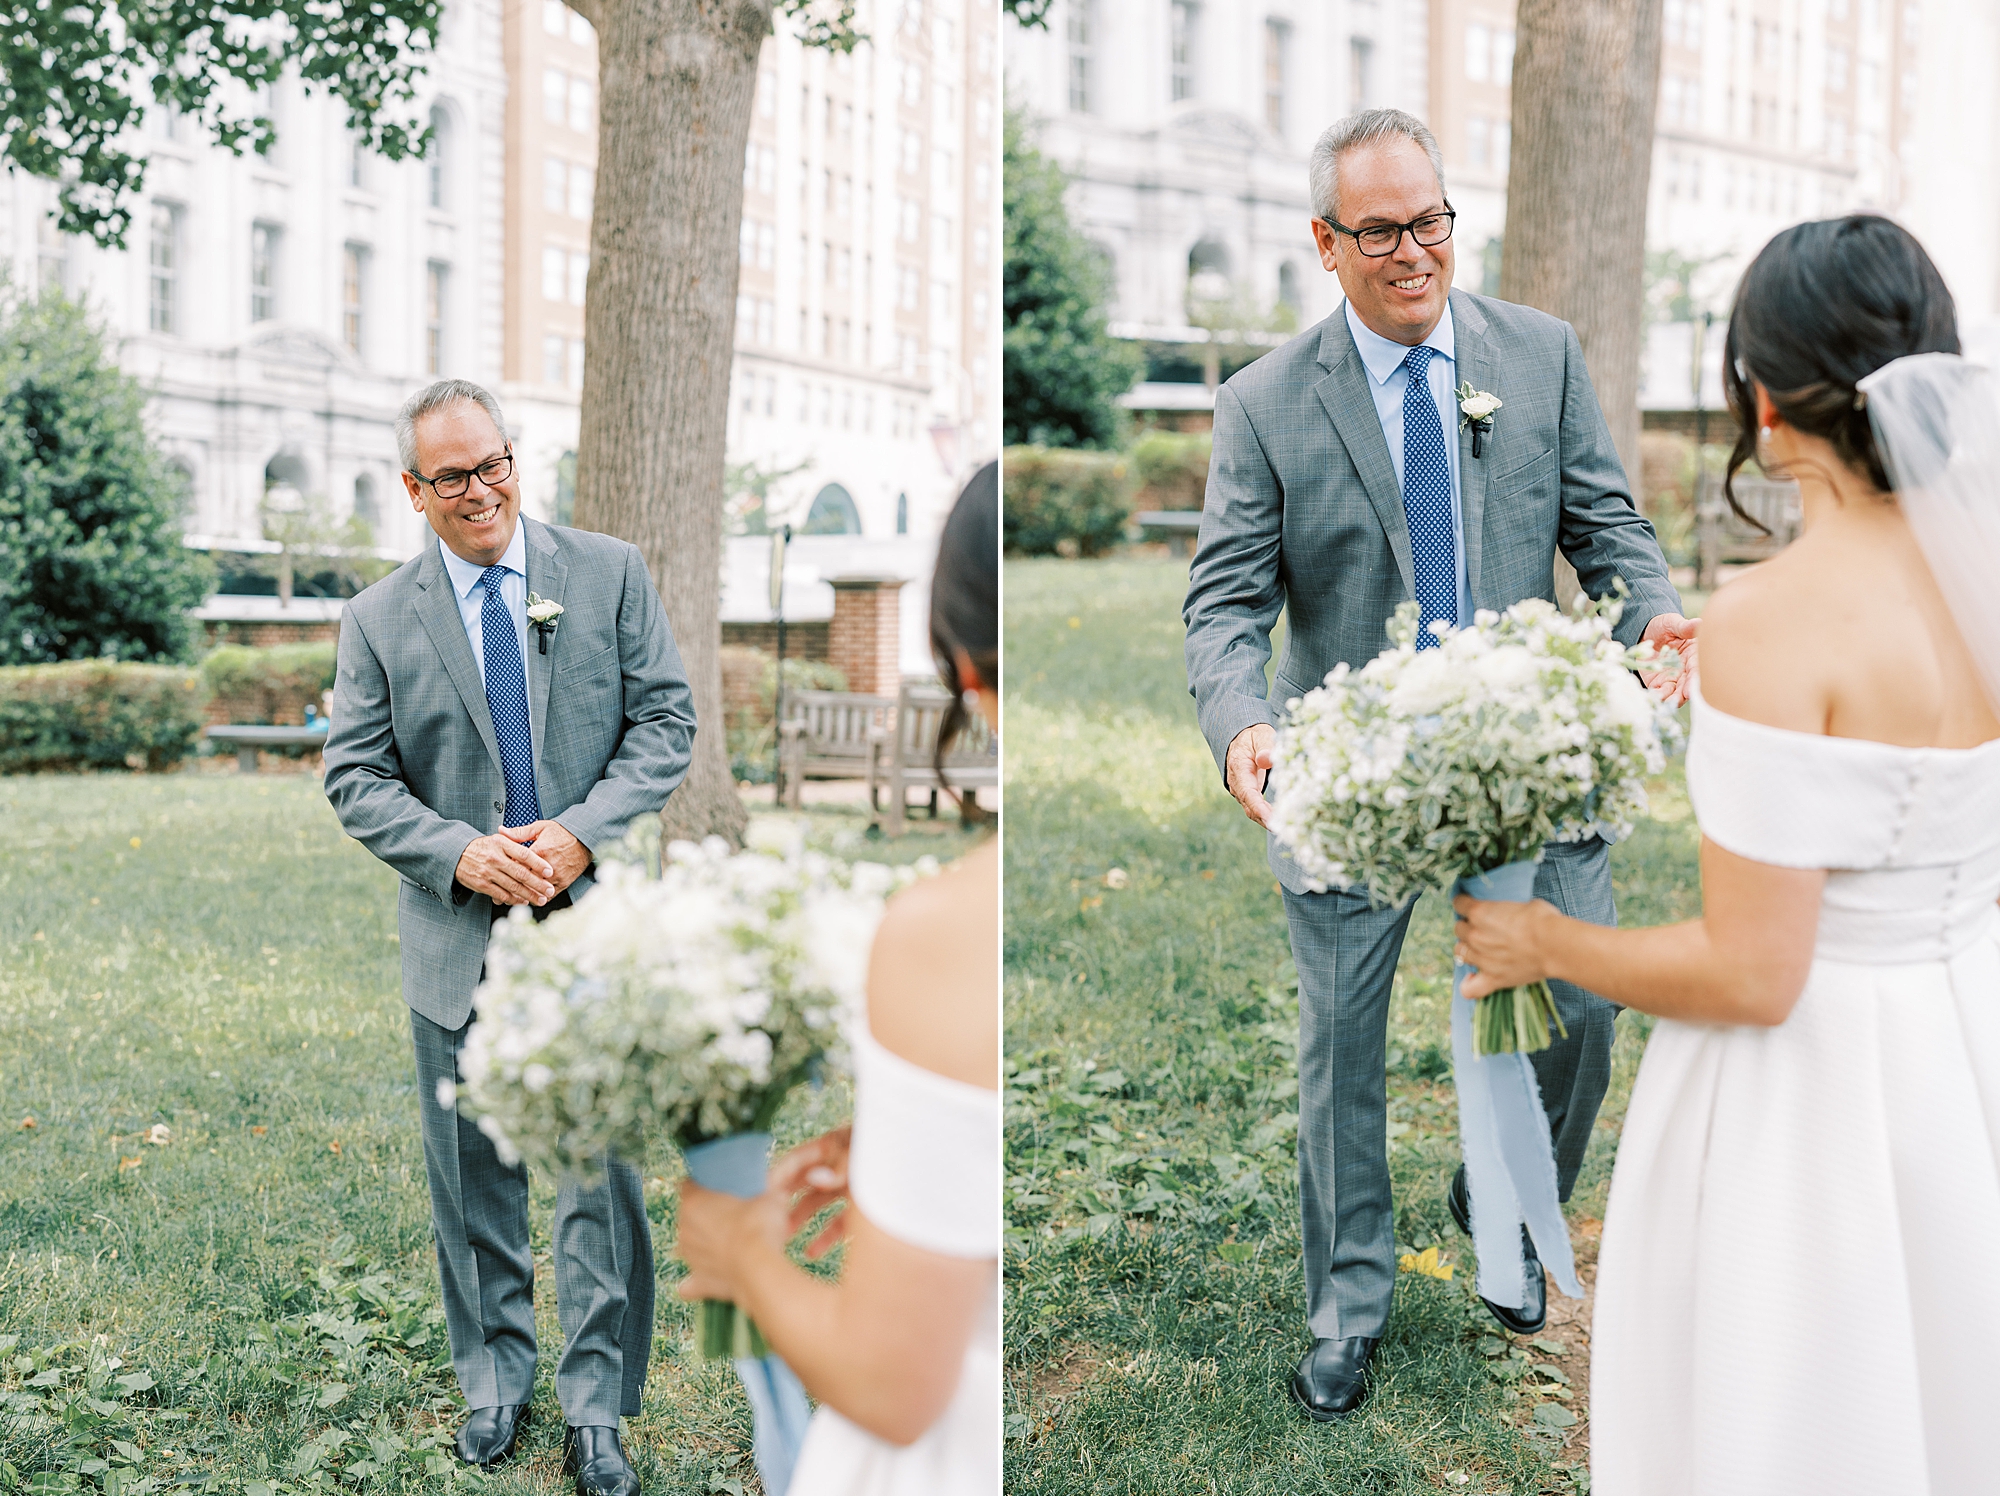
x=934 y=973
x=1762 y=656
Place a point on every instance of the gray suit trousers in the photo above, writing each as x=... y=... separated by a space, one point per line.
x=1346 y=954
x=603 y=1257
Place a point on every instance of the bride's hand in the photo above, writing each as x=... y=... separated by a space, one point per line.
x=817 y=1170
x=1506 y=942
x=715 y=1231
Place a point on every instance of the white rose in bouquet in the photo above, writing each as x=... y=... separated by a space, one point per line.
x=1426 y=766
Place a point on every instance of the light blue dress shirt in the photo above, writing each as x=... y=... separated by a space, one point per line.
x=465 y=586
x=1387 y=377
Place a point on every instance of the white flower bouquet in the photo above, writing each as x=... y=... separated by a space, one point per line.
x=687 y=1005
x=1429 y=766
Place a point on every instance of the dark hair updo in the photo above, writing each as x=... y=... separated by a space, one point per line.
x=1823 y=306
x=965 y=596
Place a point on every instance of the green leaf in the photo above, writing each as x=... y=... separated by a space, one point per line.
x=1550 y=1415
x=1491 y=1345
x=1550 y=1347
x=332 y=1393
x=1237 y=1251
x=137 y=1381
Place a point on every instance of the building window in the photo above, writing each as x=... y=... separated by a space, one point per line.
x=1081 y=28
x=435 y=276
x=1186 y=25
x=555 y=95
x=580 y=117
x=902 y=514
x=1478 y=52
x=833 y=511
x=579 y=277
x=263 y=272
x=364 y=501
x=582 y=191
x=164 y=258
x=576 y=363
x=555 y=183
x=1288 y=285
x=357 y=153
x=1277 y=40
x=353 y=270
x=1360 y=71
x=565 y=508
x=51 y=257
x=553 y=272
x=439 y=164
x=554 y=351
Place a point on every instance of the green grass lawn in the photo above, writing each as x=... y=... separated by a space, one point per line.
x=216 y=1269
x=1154 y=1304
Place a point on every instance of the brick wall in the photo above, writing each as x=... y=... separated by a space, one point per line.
x=258 y=635
x=863 y=640
x=803 y=641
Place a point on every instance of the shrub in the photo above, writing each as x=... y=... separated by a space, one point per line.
x=751 y=737
x=97 y=714
x=1172 y=469
x=91 y=560
x=1065 y=503
x=270 y=685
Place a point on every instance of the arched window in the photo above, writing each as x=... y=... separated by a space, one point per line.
x=181 y=477
x=364 y=501
x=902 y=514
x=440 y=157
x=1288 y=285
x=1209 y=254
x=832 y=513
x=287 y=470
x=565 y=506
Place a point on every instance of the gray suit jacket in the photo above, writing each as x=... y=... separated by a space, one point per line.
x=1303 y=512
x=412 y=765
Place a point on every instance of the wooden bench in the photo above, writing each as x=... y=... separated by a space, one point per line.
x=1178 y=526
x=827 y=735
x=904 y=756
x=1722 y=537
x=244 y=740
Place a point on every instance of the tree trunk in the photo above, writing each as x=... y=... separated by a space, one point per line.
x=1586 y=73
x=677 y=83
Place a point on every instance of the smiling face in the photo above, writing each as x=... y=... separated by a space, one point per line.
x=478 y=525
x=1400 y=296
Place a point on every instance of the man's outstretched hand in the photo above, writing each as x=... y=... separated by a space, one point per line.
x=1247 y=762
x=1671 y=631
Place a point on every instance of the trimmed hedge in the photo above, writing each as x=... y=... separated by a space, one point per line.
x=272 y=685
x=97 y=714
x=1065 y=503
x=1172 y=468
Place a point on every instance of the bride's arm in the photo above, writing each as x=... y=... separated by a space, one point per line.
x=1744 y=961
x=885 y=1344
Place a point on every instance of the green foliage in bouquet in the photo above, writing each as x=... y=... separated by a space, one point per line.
x=686 y=1004
x=1425 y=766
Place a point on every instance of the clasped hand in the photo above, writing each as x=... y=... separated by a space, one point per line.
x=1671 y=631
x=508 y=870
x=1505 y=942
x=717 y=1231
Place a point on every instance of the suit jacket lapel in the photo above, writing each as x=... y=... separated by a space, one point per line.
x=1473 y=356
x=437 y=608
x=1344 y=392
x=547 y=577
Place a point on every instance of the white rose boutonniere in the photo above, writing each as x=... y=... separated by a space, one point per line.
x=544 y=614
x=1475 y=408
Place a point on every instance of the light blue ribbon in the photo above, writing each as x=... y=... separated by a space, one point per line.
x=739 y=1165
x=1510 y=1162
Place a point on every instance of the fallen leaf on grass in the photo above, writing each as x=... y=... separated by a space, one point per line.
x=1094 y=903
x=1549 y=1415
x=258 y=1132
x=1117 y=878
x=159 y=1135
x=1552 y=1347
x=334 y=1147
x=28 y=1124
x=1208 y=875
x=128 y=1163
x=1425 y=1262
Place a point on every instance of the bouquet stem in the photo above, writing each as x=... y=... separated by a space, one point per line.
x=1515 y=1020
x=724 y=1330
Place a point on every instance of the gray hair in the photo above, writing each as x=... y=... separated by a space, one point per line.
x=436 y=397
x=1364 y=127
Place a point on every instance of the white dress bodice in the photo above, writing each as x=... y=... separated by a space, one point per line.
x=1910 y=837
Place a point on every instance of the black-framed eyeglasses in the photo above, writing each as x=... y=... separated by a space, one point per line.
x=1381 y=239
x=493 y=472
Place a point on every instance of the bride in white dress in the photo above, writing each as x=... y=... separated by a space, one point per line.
x=903 y=1353
x=1794 y=1293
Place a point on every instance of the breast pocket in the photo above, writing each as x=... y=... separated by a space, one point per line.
x=589 y=667
x=1537 y=469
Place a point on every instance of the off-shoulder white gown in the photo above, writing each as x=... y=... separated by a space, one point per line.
x=924 y=1166
x=1796 y=1289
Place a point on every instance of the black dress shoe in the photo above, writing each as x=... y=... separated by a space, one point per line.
x=1534 y=1310
x=489 y=1435
x=1332 y=1376
x=592 y=1453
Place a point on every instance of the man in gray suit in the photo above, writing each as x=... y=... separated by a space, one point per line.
x=1336 y=492
x=483 y=757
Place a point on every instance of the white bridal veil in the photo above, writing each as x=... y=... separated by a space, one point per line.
x=1937 y=425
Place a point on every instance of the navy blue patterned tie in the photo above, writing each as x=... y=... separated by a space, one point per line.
x=507 y=700
x=1427 y=499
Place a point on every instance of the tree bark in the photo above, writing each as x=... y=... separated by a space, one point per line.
x=677 y=83
x=1586 y=77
